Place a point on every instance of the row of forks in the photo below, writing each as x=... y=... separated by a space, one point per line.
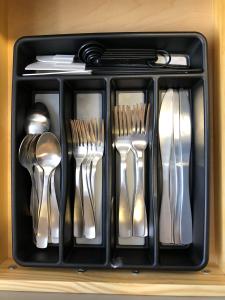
x=131 y=125
x=88 y=149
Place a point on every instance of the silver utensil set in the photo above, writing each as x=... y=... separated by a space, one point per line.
x=88 y=149
x=40 y=154
x=131 y=127
x=175 y=144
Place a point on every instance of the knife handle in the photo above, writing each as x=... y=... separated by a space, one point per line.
x=165 y=221
x=184 y=225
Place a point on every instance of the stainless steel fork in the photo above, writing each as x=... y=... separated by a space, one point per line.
x=89 y=158
x=89 y=230
x=97 y=133
x=122 y=131
x=139 y=140
x=79 y=152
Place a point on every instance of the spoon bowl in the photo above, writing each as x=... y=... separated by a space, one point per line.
x=48 y=151
x=23 y=149
x=38 y=120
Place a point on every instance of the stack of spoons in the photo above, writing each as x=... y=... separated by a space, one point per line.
x=40 y=154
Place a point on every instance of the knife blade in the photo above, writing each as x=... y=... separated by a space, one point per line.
x=177 y=200
x=185 y=138
x=165 y=140
x=175 y=174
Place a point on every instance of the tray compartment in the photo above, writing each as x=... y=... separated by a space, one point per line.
x=26 y=92
x=191 y=44
x=84 y=99
x=133 y=251
x=191 y=256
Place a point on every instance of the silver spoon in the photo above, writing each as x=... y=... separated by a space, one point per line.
x=48 y=155
x=37 y=122
x=27 y=163
x=35 y=199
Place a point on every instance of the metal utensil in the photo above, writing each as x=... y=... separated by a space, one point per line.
x=184 y=215
x=31 y=159
x=89 y=158
x=139 y=140
x=122 y=131
x=175 y=178
x=38 y=120
x=26 y=163
x=54 y=212
x=97 y=130
x=79 y=153
x=48 y=155
x=165 y=140
x=89 y=230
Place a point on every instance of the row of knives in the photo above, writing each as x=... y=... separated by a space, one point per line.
x=175 y=221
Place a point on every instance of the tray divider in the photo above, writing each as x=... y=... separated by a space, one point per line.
x=108 y=153
x=154 y=153
x=64 y=167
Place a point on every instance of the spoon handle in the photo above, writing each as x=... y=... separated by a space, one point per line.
x=54 y=212
x=43 y=222
x=33 y=202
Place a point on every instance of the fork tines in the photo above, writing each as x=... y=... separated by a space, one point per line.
x=88 y=148
x=88 y=132
x=131 y=119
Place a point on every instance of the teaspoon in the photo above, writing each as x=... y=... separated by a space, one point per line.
x=48 y=155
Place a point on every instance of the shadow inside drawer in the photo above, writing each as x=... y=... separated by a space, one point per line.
x=131 y=251
x=26 y=93
x=85 y=99
x=191 y=255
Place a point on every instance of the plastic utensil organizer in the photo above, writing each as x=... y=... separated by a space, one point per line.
x=110 y=253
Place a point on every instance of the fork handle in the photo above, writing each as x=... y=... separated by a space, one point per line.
x=78 y=209
x=125 y=224
x=93 y=176
x=88 y=167
x=139 y=210
x=89 y=220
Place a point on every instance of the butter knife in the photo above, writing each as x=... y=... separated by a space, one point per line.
x=185 y=216
x=178 y=184
x=165 y=140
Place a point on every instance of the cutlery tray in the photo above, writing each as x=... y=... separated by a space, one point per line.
x=65 y=94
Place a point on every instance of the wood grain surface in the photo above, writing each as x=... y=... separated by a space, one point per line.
x=5 y=138
x=219 y=125
x=210 y=282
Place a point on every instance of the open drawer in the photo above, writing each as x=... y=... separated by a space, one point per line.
x=17 y=22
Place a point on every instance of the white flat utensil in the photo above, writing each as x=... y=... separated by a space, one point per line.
x=51 y=66
x=58 y=58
